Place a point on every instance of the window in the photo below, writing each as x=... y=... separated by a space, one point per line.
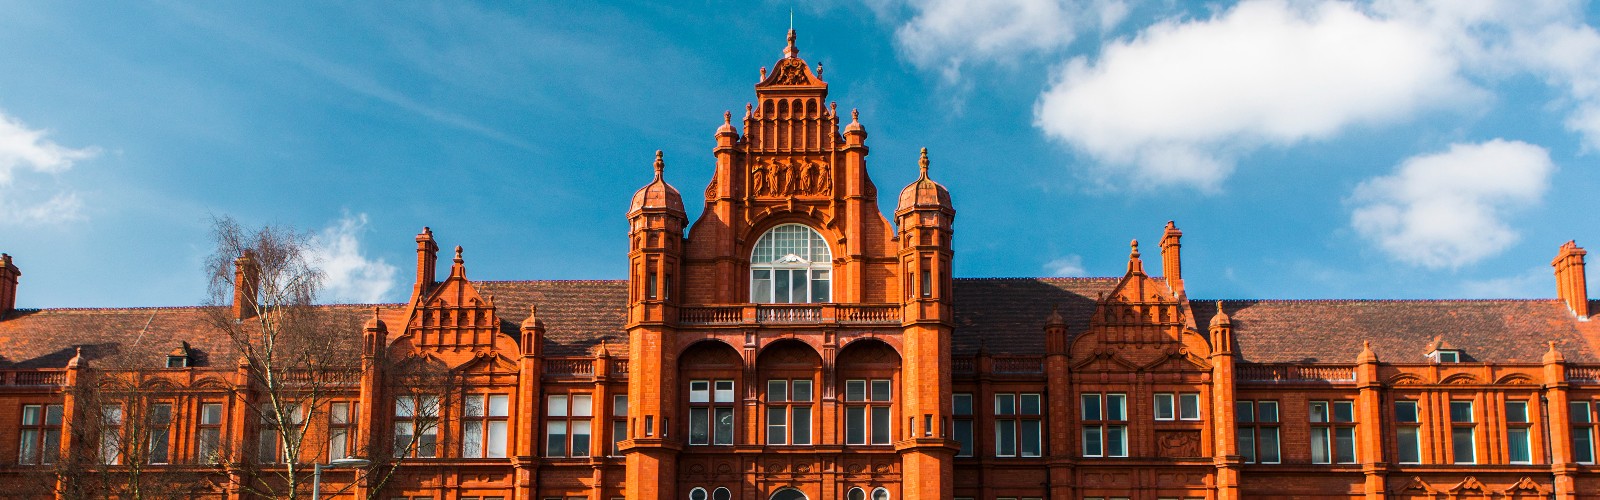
x=341 y=425
x=159 y=420
x=1519 y=448
x=1333 y=432
x=856 y=494
x=1408 y=433
x=1463 y=442
x=269 y=443
x=711 y=412
x=866 y=412
x=110 y=434
x=789 y=411
x=698 y=494
x=721 y=494
x=619 y=423
x=40 y=438
x=1258 y=431
x=483 y=425
x=1185 y=406
x=567 y=424
x=1582 y=431
x=416 y=429
x=880 y=494
x=1017 y=425
x=1447 y=356
x=208 y=434
x=961 y=406
x=791 y=264
x=1105 y=428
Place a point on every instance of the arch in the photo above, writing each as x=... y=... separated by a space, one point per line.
x=868 y=352
x=856 y=494
x=710 y=373
x=697 y=493
x=787 y=494
x=1461 y=379
x=811 y=108
x=788 y=373
x=783 y=108
x=1406 y=379
x=1515 y=379
x=791 y=264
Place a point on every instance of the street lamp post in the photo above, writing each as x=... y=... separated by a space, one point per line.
x=338 y=463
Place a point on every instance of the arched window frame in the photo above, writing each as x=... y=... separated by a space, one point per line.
x=856 y=494
x=721 y=493
x=697 y=493
x=791 y=264
x=880 y=494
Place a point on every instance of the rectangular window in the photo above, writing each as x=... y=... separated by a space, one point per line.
x=1519 y=448
x=1018 y=427
x=110 y=434
x=789 y=412
x=1165 y=407
x=208 y=434
x=867 y=411
x=710 y=412
x=1189 y=406
x=416 y=430
x=40 y=442
x=567 y=424
x=341 y=425
x=484 y=425
x=1105 y=429
x=961 y=405
x=1582 y=431
x=1463 y=440
x=1258 y=431
x=1408 y=435
x=761 y=286
x=619 y=423
x=1335 y=440
x=777 y=425
x=160 y=422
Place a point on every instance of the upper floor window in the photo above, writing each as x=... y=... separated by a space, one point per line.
x=1408 y=432
x=1105 y=425
x=789 y=411
x=1017 y=425
x=1582 y=432
x=866 y=412
x=962 y=408
x=791 y=264
x=1333 y=432
x=40 y=440
x=1258 y=431
x=484 y=427
x=711 y=412
x=567 y=421
x=1463 y=441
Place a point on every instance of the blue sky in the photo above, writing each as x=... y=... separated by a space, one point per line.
x=1313 y=149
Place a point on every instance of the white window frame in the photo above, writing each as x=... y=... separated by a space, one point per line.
x=815 y=266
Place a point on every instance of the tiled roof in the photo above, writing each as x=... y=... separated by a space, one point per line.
x=1004 y=315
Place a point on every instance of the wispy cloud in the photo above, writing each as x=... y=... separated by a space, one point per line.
x=1448 y=209
x=351 y=276
x=948 y=35
x=26 y=150
x=1066 y=266
x=1533 y=283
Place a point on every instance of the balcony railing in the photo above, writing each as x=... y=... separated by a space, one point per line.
x=33 y=378
x=781 y=314
x=1583 y=374
x=572 y=367
x=1296 y=373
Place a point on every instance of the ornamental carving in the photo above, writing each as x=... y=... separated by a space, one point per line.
x=790 y=178
x=790 y=72
x=1178 y=444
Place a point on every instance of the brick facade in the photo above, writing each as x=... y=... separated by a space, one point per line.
x=715 y=372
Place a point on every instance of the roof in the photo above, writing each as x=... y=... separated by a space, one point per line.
x=1002 y=315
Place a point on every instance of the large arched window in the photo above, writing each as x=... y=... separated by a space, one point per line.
x=791 y=264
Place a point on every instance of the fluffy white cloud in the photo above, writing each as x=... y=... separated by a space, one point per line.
x=1069 y=266
x=23 y=149
x=350 y=276
x=945 y=35
x=1447 y=209
x=1178 y=103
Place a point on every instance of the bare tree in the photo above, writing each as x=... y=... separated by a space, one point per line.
x=125 y=423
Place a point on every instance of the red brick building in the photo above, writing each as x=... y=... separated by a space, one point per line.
x=796 y=343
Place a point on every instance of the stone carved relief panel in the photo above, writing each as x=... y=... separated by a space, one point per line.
x=781 y=178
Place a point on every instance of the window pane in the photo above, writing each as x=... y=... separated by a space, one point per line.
x=855 y=425
x=1319 y=411
x=1116 y=407
x=582 y=405
x=1164 y=407
x=619 y=433
x=497 y=439
x=1189 y=407
x=777 y=391
x=1517 y=412
x=210 y=414
x=30 y=415
x=1005 y=404
x=776 y=419
x=29 y=447
x=1092 y=447
x=1344 y=411
x=1244 y=412
x=1344 y=445
x=427 y=442
x=800 y=428
x=619 y=405
x=724 y=419
x=1116 y=441
x=1030 y=404
x=1582 y=445
x=820 y=289
x=699 y=425
x=1267 y=411
x=1461 y=411
x=472 y=406
x=1463 y=445
x=1269 y=445
x=797 y=286
x=52 y=414
x=780 y=287
x=580 y=438
x=961 y=404
x=1030 y=438
x=963 y=435
x=1005 y=438
x=499 y=405
x=802 y=391
x=880 y=390
x=855 y=390
x=1517 y=445
x=1247 y=444
x=555 y=439
x=1405 y=411
x=557 y=406
x=1409 y=444
x=405 y=407
x=1091 y=407
x=699 y=391
x=1579 y=411
x=472 y=439
x=761 y=286
x=1319 y=445
x=724 y=392
x=880 y=425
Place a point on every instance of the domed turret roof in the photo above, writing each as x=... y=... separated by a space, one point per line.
x=657 y=194
x=924 y=192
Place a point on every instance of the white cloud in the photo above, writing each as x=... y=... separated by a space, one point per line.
x=25 y=148
x=350 y=276
x=1068 y=266
x=29 y=203
x=1177 y=104
x=1446 y=210
x=60 y=208
x=946 y=35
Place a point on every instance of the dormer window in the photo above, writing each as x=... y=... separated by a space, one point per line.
x=791 y=264
x=1445 y=356
x=179 y=358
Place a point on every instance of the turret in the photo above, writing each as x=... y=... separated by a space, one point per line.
x=655 y=231
x=925 y=218
x=8 y=285
x=1571 y=286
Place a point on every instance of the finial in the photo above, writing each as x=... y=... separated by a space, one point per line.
x=1219 y=307
x=924 y=163
x=855 y=115
x=791 y=51
x=1135 y=265
x=374 y=312
x=833 y=108
x=819 y=69
x=77 y=358
x=1552 y=355
x=763 y=73
x=1135 y=246
x=660 y=165
x=727 y=118
x=458 y=254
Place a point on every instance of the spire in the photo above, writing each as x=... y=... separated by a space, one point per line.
x=1135 y=266
x=791 y=52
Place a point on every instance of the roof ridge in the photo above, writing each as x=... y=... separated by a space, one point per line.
x=603 y=281
x=1041 y=278
x=1335 y=301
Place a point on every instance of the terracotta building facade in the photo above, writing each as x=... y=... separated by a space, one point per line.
x=796 y=343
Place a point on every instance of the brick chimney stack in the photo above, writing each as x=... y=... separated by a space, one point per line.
x=427 y=264
x=1571 y=287
x=1171 y=260
x=246 y=285
x=8 y=284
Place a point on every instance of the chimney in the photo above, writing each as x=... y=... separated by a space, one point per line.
x=8 y=284
x=427 y=264
x=1171 y=261
x=1571 y=287
x=246 y=285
